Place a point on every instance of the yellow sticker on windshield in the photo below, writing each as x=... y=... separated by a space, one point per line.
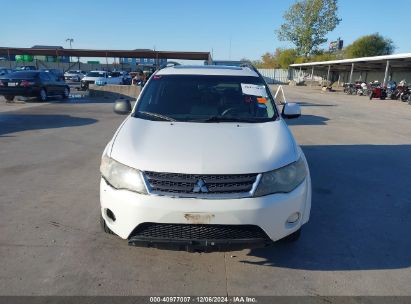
x=261 y=100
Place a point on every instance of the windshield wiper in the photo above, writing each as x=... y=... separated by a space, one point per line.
x=156 y=115
x=231 y=119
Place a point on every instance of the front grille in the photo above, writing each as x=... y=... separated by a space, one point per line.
x=177 y=183
x=155 y=231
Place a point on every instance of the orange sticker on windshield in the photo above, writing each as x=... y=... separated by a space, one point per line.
x=261 y=100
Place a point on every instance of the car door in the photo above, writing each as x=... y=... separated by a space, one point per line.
x=47 y=82
x=58 y=83
x=115 y=78
x=110 y=78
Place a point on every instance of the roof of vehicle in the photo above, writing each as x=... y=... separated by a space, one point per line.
x=220 y=70
x=27 y=73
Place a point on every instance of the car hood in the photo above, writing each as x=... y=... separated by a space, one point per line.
x=203 y=148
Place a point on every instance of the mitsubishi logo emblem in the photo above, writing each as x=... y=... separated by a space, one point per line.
x=200 y=187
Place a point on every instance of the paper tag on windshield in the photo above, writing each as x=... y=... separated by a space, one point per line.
x=254 y=90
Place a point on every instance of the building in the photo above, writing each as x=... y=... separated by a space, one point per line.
x=395 y=67
x=51 y=58
x=31 y=58
x=143 y=61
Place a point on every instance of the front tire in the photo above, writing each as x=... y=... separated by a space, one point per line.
x=66 y=93
x=9 y=97
x=42 y=95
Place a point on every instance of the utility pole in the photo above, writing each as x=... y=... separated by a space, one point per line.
x=70 y=41
x=229 y=54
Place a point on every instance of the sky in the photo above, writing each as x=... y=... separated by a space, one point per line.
x=230 y=29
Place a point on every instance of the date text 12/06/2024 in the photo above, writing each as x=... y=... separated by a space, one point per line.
x=205 y=299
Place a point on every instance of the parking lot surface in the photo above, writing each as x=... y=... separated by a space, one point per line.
x=356 y=243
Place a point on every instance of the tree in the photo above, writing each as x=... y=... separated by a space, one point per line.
x=370 y=45
x=307 y=22
x=267 y=61
x=285 y=57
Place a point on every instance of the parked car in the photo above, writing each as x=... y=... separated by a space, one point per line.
x=26 y=68
x=57 y=73
x=126 y=77
x=74 y=75
x=205 y=160
x=32 y=84
x=4 y=71
x=91 y=78
x=112 y=78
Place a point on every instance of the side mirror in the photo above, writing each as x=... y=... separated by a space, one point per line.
x=122 y=107
x=291 y=110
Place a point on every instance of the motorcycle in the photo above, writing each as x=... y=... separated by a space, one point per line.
x=377 y=91
x=349 y=89
x=391 y=89
x=362 y=89
x=406 y=95
x=401 y=91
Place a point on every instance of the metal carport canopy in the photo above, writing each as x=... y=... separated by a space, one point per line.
x=7 y=51
x=397 y=61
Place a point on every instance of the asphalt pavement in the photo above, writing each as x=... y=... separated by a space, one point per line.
x=356 y=243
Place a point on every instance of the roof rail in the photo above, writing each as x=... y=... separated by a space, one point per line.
x=248 y=64
x=169 y=64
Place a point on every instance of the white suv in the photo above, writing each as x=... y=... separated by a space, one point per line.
x=204 y=160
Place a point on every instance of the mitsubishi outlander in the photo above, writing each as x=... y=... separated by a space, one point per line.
x=205 y=160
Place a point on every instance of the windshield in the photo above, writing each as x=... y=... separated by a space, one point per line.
x=73 y=72
x=95 y=74
x=206 y=99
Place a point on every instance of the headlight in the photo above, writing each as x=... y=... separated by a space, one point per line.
x=121 y=176
x=282 y=180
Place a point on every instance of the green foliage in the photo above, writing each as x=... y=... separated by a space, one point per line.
x=281 y=58
x=307 y=22
x=301 y=59
x=370 y=45
x=323 y=56
x=267 y=61
x=285 y=57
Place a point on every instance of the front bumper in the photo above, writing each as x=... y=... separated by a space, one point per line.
x=72 y=78
x=86 y=83
x=270 y=212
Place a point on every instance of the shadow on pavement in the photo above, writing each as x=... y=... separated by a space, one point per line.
x=10 y=123
x=310 y=104
x=87 y=100
x=361 y=210
x=308 y=120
